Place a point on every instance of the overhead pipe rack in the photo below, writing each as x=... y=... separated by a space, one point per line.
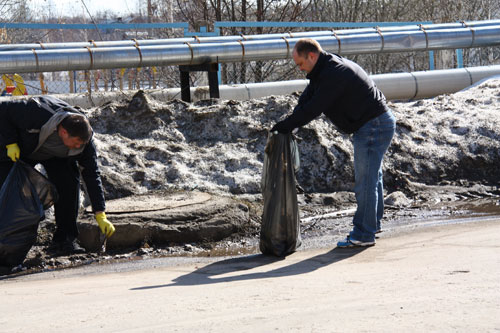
x=236 y=38
x=29 y=61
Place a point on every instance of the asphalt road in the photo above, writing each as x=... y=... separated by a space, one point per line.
x=439 y=278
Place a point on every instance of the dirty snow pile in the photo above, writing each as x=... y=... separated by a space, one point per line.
x=218 y=145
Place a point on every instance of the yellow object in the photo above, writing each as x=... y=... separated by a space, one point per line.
x=15 y=81
x=20 y=87
x=106 y=227
x=13 y=151
x=8 y=81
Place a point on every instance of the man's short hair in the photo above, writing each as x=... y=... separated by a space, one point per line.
x=306 y=45
x=77 y=125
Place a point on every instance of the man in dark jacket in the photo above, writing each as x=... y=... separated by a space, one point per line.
x=48 y=131
x=343 y=91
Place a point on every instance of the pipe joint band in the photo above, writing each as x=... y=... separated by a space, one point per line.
x=36 y=59
x=287 y=47
x=473 y=32
x=190 y=50
x=242 y=50
x=470 y=76
x=91 y=57
x=334 y=33
x=140 y=55
x=416 y=86
x=421 y=27
x=381 y=38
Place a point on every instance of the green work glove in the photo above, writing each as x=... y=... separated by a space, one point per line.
x=13 y=151
x=106 y=227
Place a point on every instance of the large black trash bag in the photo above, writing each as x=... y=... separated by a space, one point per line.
x=280 y=230
x=24 y=196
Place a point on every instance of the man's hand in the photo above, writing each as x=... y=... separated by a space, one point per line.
x=106 y=227
x=13 y=151
x=280 y=127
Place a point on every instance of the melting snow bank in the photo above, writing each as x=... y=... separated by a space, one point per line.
x=217 y=146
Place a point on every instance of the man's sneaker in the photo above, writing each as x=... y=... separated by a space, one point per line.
x=350 y=242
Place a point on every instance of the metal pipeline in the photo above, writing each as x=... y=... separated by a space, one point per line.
x=191 y=54
x=426 y=84
x=236 y=38
x=399 y=86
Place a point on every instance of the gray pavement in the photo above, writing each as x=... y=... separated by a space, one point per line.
x=443 y=278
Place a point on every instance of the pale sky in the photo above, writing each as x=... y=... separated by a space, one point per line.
x=75 y=7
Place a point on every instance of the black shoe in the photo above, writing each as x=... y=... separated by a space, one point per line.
x=5 y=270
x=69 y=245
x=55 y=246
x=72 y=246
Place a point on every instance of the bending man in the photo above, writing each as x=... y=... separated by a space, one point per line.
x=343 y=91
x=48 y=131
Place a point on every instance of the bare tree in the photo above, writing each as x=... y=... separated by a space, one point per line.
x=200 y=13
x=11 y=10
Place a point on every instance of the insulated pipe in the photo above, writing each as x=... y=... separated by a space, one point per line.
x=226 y=39
x=192 y=54
x=399 y=86
x=426 y=84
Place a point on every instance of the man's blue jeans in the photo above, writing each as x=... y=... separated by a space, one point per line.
x=370 y=144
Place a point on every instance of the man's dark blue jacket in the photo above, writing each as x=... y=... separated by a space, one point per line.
x=341 y=90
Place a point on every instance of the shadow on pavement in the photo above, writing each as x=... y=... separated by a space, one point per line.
x=208 y=274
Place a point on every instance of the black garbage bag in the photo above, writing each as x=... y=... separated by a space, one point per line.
x=280 y=229
x=24 y=196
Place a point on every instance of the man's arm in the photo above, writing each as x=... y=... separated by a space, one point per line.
x=312 y=103
x=92 y=177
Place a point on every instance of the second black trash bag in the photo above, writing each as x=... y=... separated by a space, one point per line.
x=24 y=196
x=280 y=229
